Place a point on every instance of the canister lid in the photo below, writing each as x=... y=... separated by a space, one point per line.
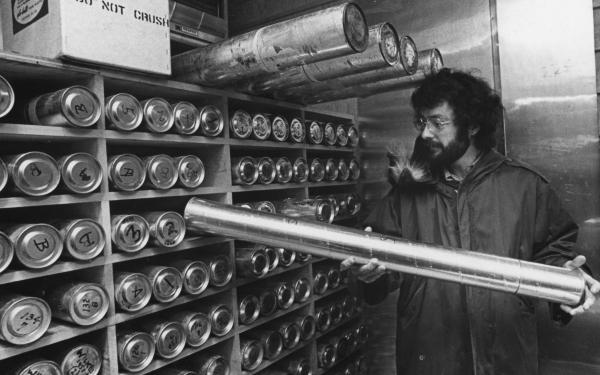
x=130 y=233
x=284 y=170
x=302 y=289
x=265 y=206
x=268 y=303
x=261 y=126
x=315 y=133
x=198 y=329
x=273 y=344
x=252 y=355
x=297 y=131
x=161 y=171
x=291 y=335
x=25 y=320
x=215 y=365
x=286 y=257
x=343 y=170
x=158 y=114
x=272 y=257
x=170 y=340
x=241 y=124
x=35 y=173
x=266 y=170
x=82 y=359
x=7 y=97
x=221 y=271
x=247 y=170
x=320 y=282
x=341 y=136
x=221 y=320
x=191 y=171
x=317 y=170
x=89 y=304
x=167 y=284
x=329 y=134
x=249 y=309
x=81 y=172
x=127 y=172
x=3 y=175
x=352 y=136
x=389 y=43
x=187 y=118
x=7 y=251
x=133 y=292
x=84 y=239
x=37 y=245
x=355 y=27
x=307 y=327
x=124 y=111
x=354 y=168
x=195 y=277
x=285 y=295
x=43 y=367
x=137 y=351
x=80 y=106
x=323 y=319
x=169 y=229
x=211 y=121
x=280 y=129
x=331 y=170
x=408 y=54
x=300 y=170
x=334 y=277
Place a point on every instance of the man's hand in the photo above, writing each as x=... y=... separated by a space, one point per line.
x=592 y=287
x=366 y=273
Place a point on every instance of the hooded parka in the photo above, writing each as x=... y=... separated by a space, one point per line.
x=502 y=207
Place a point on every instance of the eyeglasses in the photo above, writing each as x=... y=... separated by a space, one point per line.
x=435 y=123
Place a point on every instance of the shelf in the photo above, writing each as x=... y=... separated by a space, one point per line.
x=154 y=307
x=266 y=363
x=311 y=147
x=260 y=187
x=187 y=244
x=28 y=132
x=278 y=314
x=280 y=270
x=331 y=184
x=11 y=276
x=139 y=137
x=14 y=62
x=57 y=332
x=330 y=292
x=263 y=100
x=321 y=371
x=158 y=363
x=175 y=192
x=252 y=143
x=353 y=319
x=49 y=200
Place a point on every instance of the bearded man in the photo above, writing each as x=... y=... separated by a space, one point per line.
x=455 y=190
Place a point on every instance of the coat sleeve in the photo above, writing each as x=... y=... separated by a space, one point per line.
x=385 y=219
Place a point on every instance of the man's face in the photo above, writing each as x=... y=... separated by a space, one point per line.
x=444 y=140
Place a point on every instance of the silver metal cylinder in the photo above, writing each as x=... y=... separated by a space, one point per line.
x=207 y=364
x=265 y=206
x=261 y=126
x=195 y=275
x=33 y=173
x=186 y=118
x=244 y=170
x=286 y=257
x=7 y=97
x=211 y=121
x=302 y=289
x=196 y=325
x=336 y=313
x=466 y=267
x=317 y=170
x=249 y=309
x=240 y=124
x=167 y=229
x=23 y=320
x=280 y=129
x=272 y=257
x=315 y=132
x=267 y=301
x=284 y=170
x=341 y=136
x=221 y=271
x=221 y=320
x=323 y=319
x=296 y=366
x=251 y=261
x=300 y=170
x=331 y=170
x=135 y=350
x=308 y=327
x=81 y=359
x=3 y=175
x=167 y=282
x=36 y=245
x=284 y=292
x=354 y=167
x=158 y=115
x=309 y=209
x=290 y=332
x=129 y=233
x=329 y=134
x=169 y=337
x=325 y=355
x=297 y=131
x=123 y=112
x=74 y=106
x=252 y=354
x=7 y=251
x=271 y=341
x=321 y=35
x=35 y=367
x=343 y=170
x=320 y=282
x=81 y=172
x=161 y=172
x=132 y=291
x=126 y=172
x=190 y=170
x=353 y=137
x=266 y=170
x=81 y=303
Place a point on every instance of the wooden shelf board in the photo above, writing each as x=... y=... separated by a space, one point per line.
x=175 y=192
x=310 y=147
x=278 y=314
x=29 y=132
x=266 y=363
x=154 y=307
x=187 y=244
x=274 y=186
x=263 y=100
x=353 y=319
x=330 y=292
x=278 y=271
x=11 y=276
x=12 y=61
x=158 y=363
x=326 y=112
x=252 y=143
x=332 y=183
x=16 y=202
x=321 y=371
x=141 y=137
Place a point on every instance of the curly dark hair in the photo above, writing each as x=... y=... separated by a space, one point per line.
x=473 y=101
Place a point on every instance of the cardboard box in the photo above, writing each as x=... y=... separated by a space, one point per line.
x=130 y=34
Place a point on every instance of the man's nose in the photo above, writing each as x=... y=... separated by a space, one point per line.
x=426 y=133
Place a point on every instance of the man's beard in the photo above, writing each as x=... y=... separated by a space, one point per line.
x=441 y=156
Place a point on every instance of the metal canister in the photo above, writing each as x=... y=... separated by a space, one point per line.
x=354 y=168
x=297 y=131
x=167 y=229
x=36 y=245
x=302 y=289
x=158 y=115
x=245 y=205
x=195 y=275
x=126 y=172
x=280 y=129
x=325 y=355
x=211 y=365
x=317 y=170
x=329 y=134
x=267 y=300
x=303 y=257
x=362 y=365
x=81 y=303
x=169 y=337
x=308 y=327
x=290 y=332
x=352 y=136
x=244 y=170
x=7 y=97
x=323 y=319
x=7 y=251
x=334 y=277
x=221 y=271
x=272 y=258
x=73 y=106
x=320 y=282
x=331 y=170
x=167 y=282
x=37 y=367
x=336 y=313
x=129 y=233
x=265 y=206
x=196 y=325
x=284 y=292
x=252 y=354
x=240 y=124
x=211 y=121
x=348 y=307
x=249 y=309
x=312 y=208
x=353 y=204
x=82 y=359
x=161 y=172
x=190 y=170
x=348 y=369
x=315 y=132
x=284 y=170
x=298 y=366
x=341 y=344
x=266 y=170
x=271 y=341
x=341 y=136
x=81 y=172
x=186 y=118
x=362 y=334
x=132 y=291
x=286 y=257
x=135 y=350
x=261 y=126
x=123 y=112
x=300 y=170
x=3 y=175
x=23 y=320
x=251 y=261
x=221 y=320
x=33 y=173
x=343 y=170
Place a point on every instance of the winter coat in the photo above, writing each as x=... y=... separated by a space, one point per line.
x=502 y=207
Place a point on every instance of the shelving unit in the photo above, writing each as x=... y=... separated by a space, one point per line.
x=32 y=76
